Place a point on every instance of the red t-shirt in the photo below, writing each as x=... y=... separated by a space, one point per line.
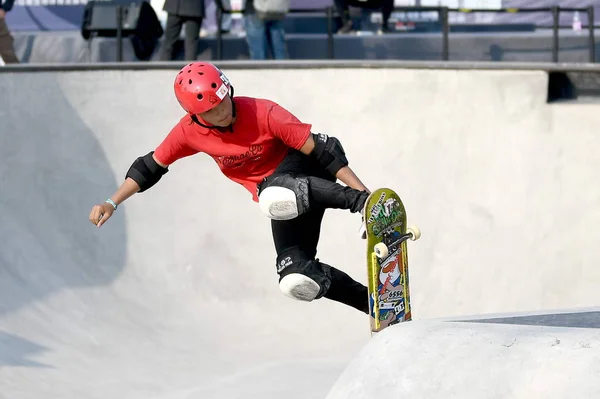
x=262 y=134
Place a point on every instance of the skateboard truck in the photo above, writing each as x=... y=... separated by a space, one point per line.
x=412 y=232
x=381 y=251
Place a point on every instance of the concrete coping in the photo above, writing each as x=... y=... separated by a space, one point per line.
x=312 y=64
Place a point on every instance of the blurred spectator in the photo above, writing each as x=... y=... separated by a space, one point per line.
x=342 y=8
x=262 y=29
x=226 y=19
x=7 y=50
x=179 y=12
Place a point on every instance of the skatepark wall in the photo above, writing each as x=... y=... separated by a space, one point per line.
x=501 y=182
x=176 y=296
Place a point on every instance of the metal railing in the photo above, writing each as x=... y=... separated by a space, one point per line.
x=443 y=13
x=555 y=11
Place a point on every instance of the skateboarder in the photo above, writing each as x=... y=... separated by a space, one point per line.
x=290 y=171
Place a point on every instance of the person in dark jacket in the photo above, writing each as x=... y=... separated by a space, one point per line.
x=180 y=12
x=7 y=50
x=342 y=8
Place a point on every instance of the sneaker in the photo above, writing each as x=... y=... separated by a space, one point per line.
x=383 y=30
x=362 y=230
x=346 y=28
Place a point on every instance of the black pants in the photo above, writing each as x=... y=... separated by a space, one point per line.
x=172 y=31
x=386 y=6
x=301 y=234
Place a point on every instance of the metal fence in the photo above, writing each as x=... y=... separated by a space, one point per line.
x=443 y=13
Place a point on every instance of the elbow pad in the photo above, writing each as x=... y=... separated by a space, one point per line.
x=329 y=153
x=146 y=172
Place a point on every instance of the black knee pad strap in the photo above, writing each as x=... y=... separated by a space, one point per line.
x=296 y=261
x=299 y=185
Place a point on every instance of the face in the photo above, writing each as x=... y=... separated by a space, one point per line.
x=221 y=115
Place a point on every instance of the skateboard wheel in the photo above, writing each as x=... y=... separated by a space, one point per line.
x=416 y=233
x=381 y=250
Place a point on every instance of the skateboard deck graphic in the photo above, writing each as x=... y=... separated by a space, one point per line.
x=387 y=259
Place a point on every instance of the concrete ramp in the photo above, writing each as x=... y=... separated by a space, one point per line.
x=176 y=297
x=497 y=358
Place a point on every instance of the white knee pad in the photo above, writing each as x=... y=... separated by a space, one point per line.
x=300 y=287
x=278 y=203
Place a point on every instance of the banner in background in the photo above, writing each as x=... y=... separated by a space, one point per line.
x=61 y=15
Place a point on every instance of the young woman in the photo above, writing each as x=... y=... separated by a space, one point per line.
x=290 y=171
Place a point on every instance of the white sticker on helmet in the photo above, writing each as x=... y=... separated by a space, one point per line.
x=222 y=92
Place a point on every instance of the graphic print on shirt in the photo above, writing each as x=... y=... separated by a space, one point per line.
x=235 y=161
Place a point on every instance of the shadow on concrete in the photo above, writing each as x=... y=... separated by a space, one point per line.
x=14 y=351
x=51 y=172
x=573 y=320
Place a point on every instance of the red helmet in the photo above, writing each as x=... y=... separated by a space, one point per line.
x=200 y=86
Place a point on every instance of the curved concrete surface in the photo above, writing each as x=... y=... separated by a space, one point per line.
x=435 y=359
x=175 y=298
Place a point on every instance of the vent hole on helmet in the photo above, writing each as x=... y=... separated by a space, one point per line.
x=199 y=96
x=190 y=81
x=200 y=73
x=189 y=70
x=214 y=85
x=181 y=80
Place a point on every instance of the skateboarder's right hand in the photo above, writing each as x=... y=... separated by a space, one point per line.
x=101 y=213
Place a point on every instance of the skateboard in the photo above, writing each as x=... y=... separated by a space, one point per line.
x=387 y=258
